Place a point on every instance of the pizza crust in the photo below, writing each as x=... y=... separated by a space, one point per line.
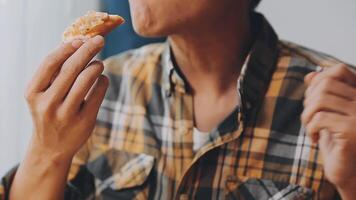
x=92 y=24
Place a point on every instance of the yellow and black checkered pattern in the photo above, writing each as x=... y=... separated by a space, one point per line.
x=142 y=146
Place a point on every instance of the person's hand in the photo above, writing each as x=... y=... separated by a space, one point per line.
x=64 y=97
x=330 y=117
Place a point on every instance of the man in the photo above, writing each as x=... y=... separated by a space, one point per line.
x=212 y=114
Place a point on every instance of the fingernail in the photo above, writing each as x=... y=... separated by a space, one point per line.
x=319 y=69
x=99 y=40
x=77 y=43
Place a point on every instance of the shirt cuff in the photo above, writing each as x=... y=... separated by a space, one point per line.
x=6 y=182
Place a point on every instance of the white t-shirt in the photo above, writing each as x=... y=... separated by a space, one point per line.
x=199 y=139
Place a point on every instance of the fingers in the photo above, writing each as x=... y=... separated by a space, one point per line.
x=74 y=65
x=340 y=72
x=333 y=87
x=325 y=140
x=95 y=97
x=51 y=65
x=309 y=77
x=325 y=102
x=321 y=121
x=81 y=87
x=329 y=101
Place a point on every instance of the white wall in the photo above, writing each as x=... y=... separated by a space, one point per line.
x=326 y=25
x=29 y=29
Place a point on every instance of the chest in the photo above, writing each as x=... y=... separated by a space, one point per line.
x=265 y=158
x=210 y=110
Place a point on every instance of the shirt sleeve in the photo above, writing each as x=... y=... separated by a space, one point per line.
x=80 y=184
x=6 y=183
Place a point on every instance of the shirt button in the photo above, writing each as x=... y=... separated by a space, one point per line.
x=183 y=197
x=248 y=105
x=231 y=183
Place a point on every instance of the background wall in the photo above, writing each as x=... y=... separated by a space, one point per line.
x=326 y=25
x=29 y=29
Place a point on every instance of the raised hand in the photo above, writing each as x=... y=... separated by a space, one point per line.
x=64 y=97
x=330 y=117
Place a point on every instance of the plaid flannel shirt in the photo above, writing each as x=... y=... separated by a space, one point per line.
x=141 y=147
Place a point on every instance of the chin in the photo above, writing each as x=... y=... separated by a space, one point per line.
x=149 y=26
x=149 y=19
x=145 y=28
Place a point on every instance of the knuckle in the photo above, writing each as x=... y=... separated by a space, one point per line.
x=342 y=69
x=96 y=68
x=68 y=71
x=319 y=100
x=63 y=117
x=90 y=50
x=319 y=116
x=90 y=74
x=347 y=128
x=84 y=79
x=349 y=125
x=29 y=96
x=46 y=109
x=99 y=66
x=309 y=128
x=303 y=117
x=318 y=106
x=66 y=112
x=307 y=92
x=50 y=97
x=49 y=60
x=326 y=84
x=343 y=66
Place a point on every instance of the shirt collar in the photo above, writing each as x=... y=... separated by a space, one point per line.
x=262 y=59
x=173 y=81
x=255 y=75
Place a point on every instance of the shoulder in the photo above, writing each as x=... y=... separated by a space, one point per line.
x=295 y=55
x=294 y=63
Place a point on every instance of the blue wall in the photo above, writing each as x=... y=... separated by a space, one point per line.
x=122 y=38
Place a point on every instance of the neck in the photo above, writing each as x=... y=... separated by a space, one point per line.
x=211 y=57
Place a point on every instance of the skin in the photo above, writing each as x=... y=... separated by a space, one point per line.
x=211 y=65
x=329 y=117
x=64 y=108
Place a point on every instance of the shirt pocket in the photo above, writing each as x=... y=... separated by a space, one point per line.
x=264 y=189
x=118 y=171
